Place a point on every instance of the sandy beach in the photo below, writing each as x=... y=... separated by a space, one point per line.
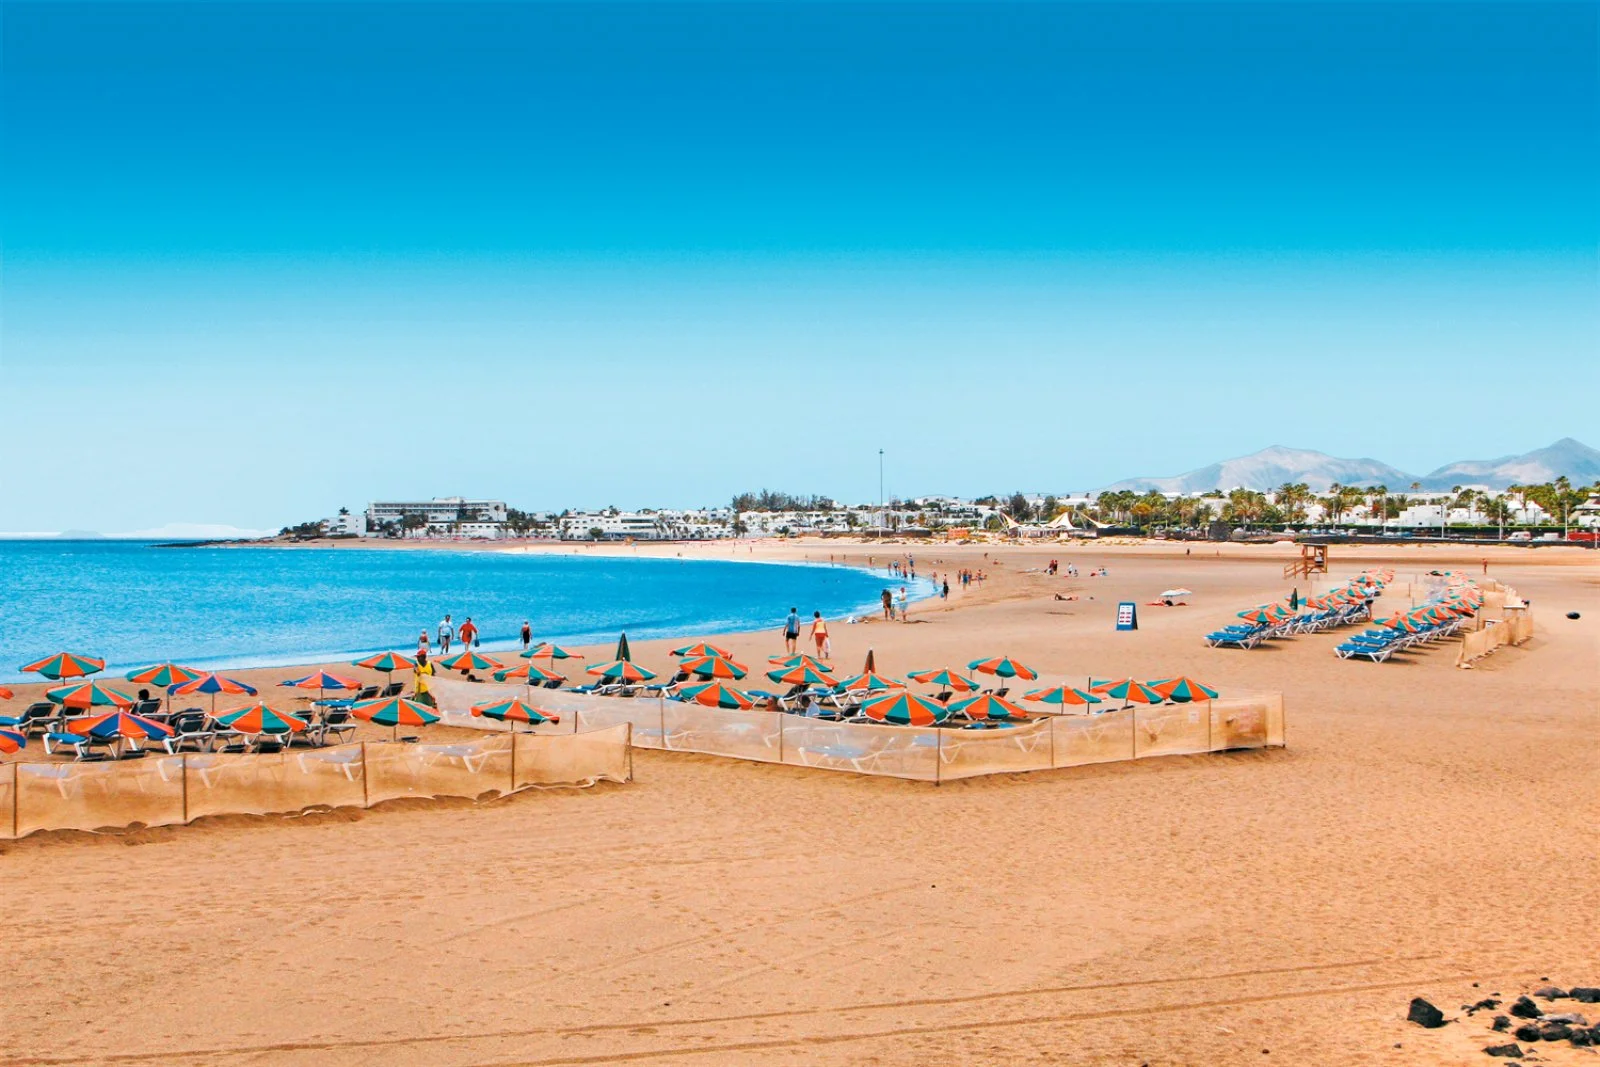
x=1428 y=831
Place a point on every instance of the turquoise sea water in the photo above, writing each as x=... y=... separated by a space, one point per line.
x=211 y=607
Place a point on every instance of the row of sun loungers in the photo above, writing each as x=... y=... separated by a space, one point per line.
x=1379 y=644
x=193 y=730
x=1249 y=635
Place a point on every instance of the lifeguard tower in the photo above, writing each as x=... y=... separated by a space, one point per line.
x=1313 y=560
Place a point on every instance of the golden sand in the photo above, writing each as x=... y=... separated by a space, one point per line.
x=1429 y=830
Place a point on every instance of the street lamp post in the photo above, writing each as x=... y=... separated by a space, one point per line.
x=882 y=519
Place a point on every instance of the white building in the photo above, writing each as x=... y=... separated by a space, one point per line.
x=443 y=516
x=346 y=524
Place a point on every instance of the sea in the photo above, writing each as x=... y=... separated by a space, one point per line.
x=135 y=603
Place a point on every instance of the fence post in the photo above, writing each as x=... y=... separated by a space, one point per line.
x=365 y=791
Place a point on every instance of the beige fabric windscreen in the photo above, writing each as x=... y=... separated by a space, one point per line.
x=8 y=802
x=97 y=796
x=166 y=790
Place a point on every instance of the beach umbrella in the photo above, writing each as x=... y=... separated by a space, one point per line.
x=466 y=662
x=318 y=680
x=387 y=662
x=1172 y=594
x=989 y=707
x=945 y=678
x=1400 y=622
x=622 y=670
x=121 y=725
x=394 y=711
x=801 y=674
x=869 y=682
x=514 y=710
x=1062 y=695
x=166 y=675
x=535 y=674
x=1127 y=690
x=713 y=667
x=162 y=674
x=702 y=648
x=716 y=695
x=545 y=650
x=260 y=719
x=213 y=684
x=66 y=665
x=905 y=708
x=800 y=659
x=1262 y=615
x=1003 y=667
x=88 y=695
x=1183 y=689
x=10 y=741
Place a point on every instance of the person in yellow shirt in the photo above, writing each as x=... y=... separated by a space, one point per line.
x=423 y=672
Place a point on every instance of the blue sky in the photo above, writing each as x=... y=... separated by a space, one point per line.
x=262 y=260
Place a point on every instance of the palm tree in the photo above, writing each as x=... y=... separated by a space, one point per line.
x=1382 y=493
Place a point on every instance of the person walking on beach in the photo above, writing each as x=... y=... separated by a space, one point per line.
x=944 y=590
x=819 y=634
x=423 y=671
x=903 y=602
x=791 y=632
x=422 y=643
x=527 y=635
x=447 y=633
x=469 y=634
x=888 y=607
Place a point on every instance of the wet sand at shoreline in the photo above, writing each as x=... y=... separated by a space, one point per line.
x=1427 y=828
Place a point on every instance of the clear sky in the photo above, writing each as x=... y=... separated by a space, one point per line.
x=263 y=260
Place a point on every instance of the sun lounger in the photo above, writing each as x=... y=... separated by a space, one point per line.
x=40 y=718
x=345 y=759
x=188 y=732
x=336 y=722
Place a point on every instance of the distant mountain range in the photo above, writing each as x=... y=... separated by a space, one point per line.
x=1271 y=467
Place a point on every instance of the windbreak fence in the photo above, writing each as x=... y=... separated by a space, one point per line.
x=162 y=790
x=1049 y=741
x=1514 y=629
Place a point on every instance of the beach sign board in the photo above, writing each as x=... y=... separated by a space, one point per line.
x=1127 y=615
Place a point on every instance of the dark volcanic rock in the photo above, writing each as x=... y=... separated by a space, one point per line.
x=1551 y=992
x=1527 y=1032
x=1554 y=1032
x=1488 y=1004
x=1526 y=1009
x=1513 y=1052
x=1424 y=1014
x=1583 y=1038
x=1586 y=994
x=1502 y=1022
